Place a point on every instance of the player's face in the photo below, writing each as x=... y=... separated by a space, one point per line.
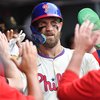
x=51 y=28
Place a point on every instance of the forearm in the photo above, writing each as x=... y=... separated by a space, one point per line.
x=13 y=74
x=75 y=63
x=18 y=83
x=34 y=86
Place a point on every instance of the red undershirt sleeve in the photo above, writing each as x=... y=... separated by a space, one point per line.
x=72 y=87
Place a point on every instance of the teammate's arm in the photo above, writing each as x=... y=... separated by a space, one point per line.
x=12 y=73
x=29 y=67
x=84 y=41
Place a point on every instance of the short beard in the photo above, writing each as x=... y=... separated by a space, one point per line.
x=52 y=43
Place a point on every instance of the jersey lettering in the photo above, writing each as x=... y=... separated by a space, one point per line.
x=47 y=84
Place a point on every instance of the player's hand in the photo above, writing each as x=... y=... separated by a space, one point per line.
x=84 y=37
x=11 y=34
x=29 y=58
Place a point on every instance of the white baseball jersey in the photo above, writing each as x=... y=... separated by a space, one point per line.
x=50 y=70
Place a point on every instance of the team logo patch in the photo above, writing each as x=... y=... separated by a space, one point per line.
x=45 y=7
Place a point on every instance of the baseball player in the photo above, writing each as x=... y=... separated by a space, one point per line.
x=53 y=58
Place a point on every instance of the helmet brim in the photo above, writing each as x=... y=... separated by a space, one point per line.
x=46 y=16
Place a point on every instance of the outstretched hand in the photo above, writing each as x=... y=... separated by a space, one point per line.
x=11 y=34
x=84 y=37
x=28 y=58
